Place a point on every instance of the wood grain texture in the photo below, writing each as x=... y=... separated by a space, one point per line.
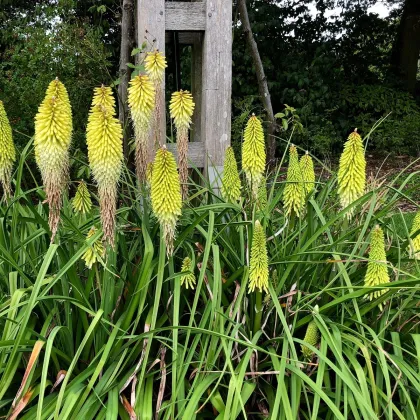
x=182 y=16
x=196 y=153
x=151 y=29
x=217 y=84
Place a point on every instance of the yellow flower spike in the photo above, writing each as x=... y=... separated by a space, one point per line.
x=308 y=173
x=181 y=108
x=103 y=96
x=141 y=100
x=7 y=152
x=53 y=131
x=95 y=251
x=377 y=270
x=188 y=279
x=352 y=171
x=414 y=247
x=293 y=193
x=312 y=338
x=166 y=195
x=82 y=202
x=105 y=153
x=155 y=65
x=231 y=183
x=258 y=270
x=253 y=154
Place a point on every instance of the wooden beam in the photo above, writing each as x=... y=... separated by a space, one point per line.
x=182 y=16
x=185 y=38
x=196 y=153
x=217 y=85
x=151 y=29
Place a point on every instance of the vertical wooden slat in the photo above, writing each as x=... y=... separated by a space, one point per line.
x=151 y=29
x=217 y=84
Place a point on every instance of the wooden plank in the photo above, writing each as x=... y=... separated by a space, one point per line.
x=185 y=38
x=151 y=29
x=196 y=153
x=182 y=16
x=217 y=84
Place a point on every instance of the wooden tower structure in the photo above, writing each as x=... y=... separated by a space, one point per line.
x=206 y=25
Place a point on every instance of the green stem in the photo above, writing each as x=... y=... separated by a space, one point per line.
x=258 y=314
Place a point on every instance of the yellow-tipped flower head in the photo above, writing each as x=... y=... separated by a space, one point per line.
x=141 y=100
x=105 y=153
x=7 y=151
x=181 y=108
x=155 y=65
x=53 y=131
x=377 y=270
x=82 y=202
x=231 y=183
x=166 y=195
x=253 y=154
x=414 y=246
x=312 y=338
x=308 y=173
x=352 y=171
x=293 y=193
x=95 y=251
x=103 y=96
x=188 y=279
x=258 y=270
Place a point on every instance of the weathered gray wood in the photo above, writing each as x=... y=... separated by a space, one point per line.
x=185 y=38
x=196 y=153
x=151 y=28
x=217 y=84
x=182 y=16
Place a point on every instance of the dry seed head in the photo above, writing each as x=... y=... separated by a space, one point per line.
x=293 y=193
x=312 y=338
x=7 y=151
x=82 y=202
x=155 y=65
x=53 y=130
x=181 y=108
x=231 y=183
x=308 y=173
x=414 y=247
x=377 y=270
x=352 y=171
x=258 y=270
x=141 y=100
x=95 y=251
x=253 y=154
x=188 y=279
x=105 y=153
x=166 y=195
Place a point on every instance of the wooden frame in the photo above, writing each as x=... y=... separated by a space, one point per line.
x=207 y=26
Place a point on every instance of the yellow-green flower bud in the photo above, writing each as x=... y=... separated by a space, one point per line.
x=188 y=279
x=141 y=100
x=181 y=108
x=231 y=183
x=166 y=195
x=7 y=151
x=312 y=338
x=253 y=154
x=414 y=247
x=308 y=173
x=95 y=251
x=377 y=270
x=103 y=96
x=105 y=153
x=53 y=131
x=258 y=270
x=155 y=65
x=82 y=202
x=293 y=193
x=352 y=171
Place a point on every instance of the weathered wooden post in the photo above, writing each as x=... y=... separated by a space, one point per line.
x=207 y=26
